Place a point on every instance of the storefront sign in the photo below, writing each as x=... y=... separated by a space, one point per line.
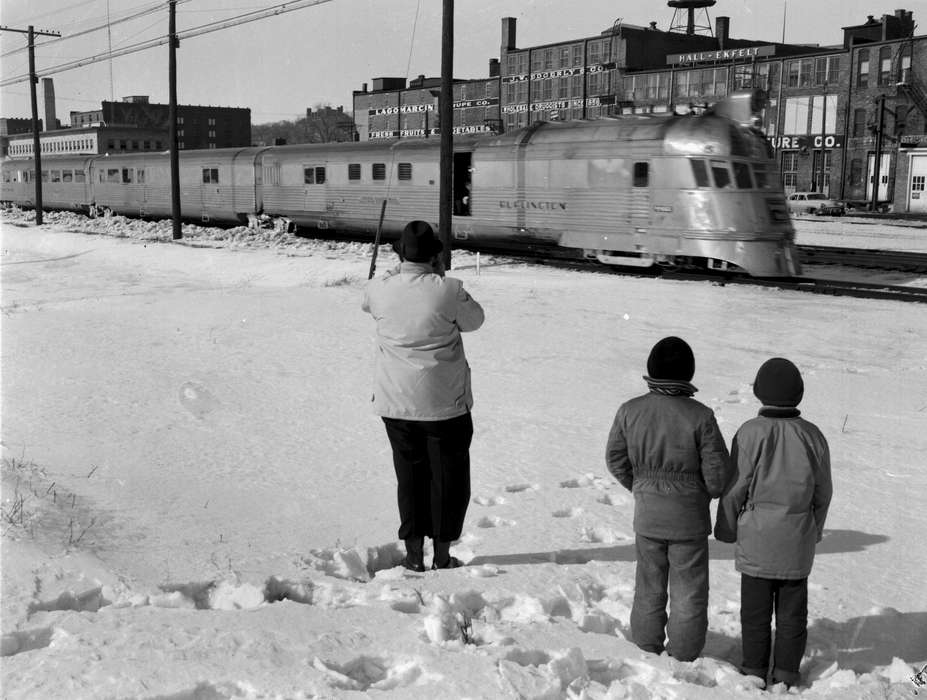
x=560 y=73
x=401 y=109
x=485 y=102
x=913 y=141
x=788 y=142
x=722 y=55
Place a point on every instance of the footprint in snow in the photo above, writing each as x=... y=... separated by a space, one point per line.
x=489 y=500
x=494 y=521
x=568 y=512
x=518 y=488
x=196 y=399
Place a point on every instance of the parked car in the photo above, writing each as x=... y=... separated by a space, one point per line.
x=815 y=203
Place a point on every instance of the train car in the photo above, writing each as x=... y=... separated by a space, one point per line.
x=217 y=185
x=642 y=190
x=65 y=183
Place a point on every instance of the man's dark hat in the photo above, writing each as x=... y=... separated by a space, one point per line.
x=671 y=358
x=418 y=242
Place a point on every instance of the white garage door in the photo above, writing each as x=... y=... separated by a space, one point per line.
x=917 y=183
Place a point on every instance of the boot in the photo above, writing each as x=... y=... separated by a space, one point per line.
x=414 y=559
x=443 y=558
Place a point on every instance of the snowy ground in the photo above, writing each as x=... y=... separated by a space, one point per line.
x=198 y=503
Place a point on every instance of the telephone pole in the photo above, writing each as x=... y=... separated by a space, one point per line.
x=173 y=43
x=446 y=119
x=36 y=145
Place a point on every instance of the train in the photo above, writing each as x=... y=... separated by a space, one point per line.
x=693 y=190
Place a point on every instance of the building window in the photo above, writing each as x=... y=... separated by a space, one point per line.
x=862 y=68
x=790 y=170
x=918 y=183
x=211 y=121
x=405 y=171
x=354 y=171
x=378 y=170
x=885 y=65
x=212 y=133
x=823 y=107
x=180 y=120
x=827 y=70
x=796 y=115
x=856 y=172
x=859 y=122
x=904 y=65
x=211 y=176
x=122 y=144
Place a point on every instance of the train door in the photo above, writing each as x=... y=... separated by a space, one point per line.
x=463 y=173
x=885 y=163
x=314 y=187
x=210 y=191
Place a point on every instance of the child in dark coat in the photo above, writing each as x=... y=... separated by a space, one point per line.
x=666 y=448
x=775 y=511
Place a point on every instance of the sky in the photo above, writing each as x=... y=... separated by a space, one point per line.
x=209 y=504
x=319 y=54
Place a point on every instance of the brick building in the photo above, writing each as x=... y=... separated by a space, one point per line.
x=839 y=118
x=135 y=124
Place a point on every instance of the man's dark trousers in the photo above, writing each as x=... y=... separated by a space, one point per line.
x=432 y=462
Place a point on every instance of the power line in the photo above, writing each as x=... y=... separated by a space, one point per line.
x=154 y=8
x=280 y=9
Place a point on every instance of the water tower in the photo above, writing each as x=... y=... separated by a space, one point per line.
x=684 y=16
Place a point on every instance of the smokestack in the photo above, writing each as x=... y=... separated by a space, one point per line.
x=508 y=34
x=722 y=30
x=48 y=89
x=493 y=67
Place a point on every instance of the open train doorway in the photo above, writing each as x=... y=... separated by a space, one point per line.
x=463 y=173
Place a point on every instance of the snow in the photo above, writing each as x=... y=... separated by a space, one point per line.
x=198 y=502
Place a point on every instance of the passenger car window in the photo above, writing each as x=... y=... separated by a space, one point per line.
x=700 y=171
x=721 y=174
x=641 y=174
x=742 y=176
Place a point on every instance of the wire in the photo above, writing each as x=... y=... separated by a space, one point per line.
x=141 y=13
x=280 y=9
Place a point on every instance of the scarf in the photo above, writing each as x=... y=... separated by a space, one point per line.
x=670 y=387
x=780 y=412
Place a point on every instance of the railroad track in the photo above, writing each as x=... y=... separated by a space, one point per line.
x=808 y=285
x=862 y=257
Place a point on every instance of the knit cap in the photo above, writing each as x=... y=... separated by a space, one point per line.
x=671 y=358
x=778 y=383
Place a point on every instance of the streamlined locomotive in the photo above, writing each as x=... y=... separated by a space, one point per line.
x=648 y=189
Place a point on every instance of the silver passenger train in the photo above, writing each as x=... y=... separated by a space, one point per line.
x=636 y=190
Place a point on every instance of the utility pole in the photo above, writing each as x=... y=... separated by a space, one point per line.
x=173 y=43
x=823 y=136
x=446 y=117
x=873 y=204
x=36 y=145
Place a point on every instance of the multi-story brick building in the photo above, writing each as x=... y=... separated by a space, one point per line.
x=839 y=118
x=135 y=124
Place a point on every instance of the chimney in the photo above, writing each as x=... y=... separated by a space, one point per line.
x=48 y=89
x=508 y=34
x=363 y=87
x=493 y=67
x=722 y=31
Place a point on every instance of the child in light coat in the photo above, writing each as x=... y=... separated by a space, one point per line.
x=775 y=511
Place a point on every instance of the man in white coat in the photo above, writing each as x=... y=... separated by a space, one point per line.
x=422 y=392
